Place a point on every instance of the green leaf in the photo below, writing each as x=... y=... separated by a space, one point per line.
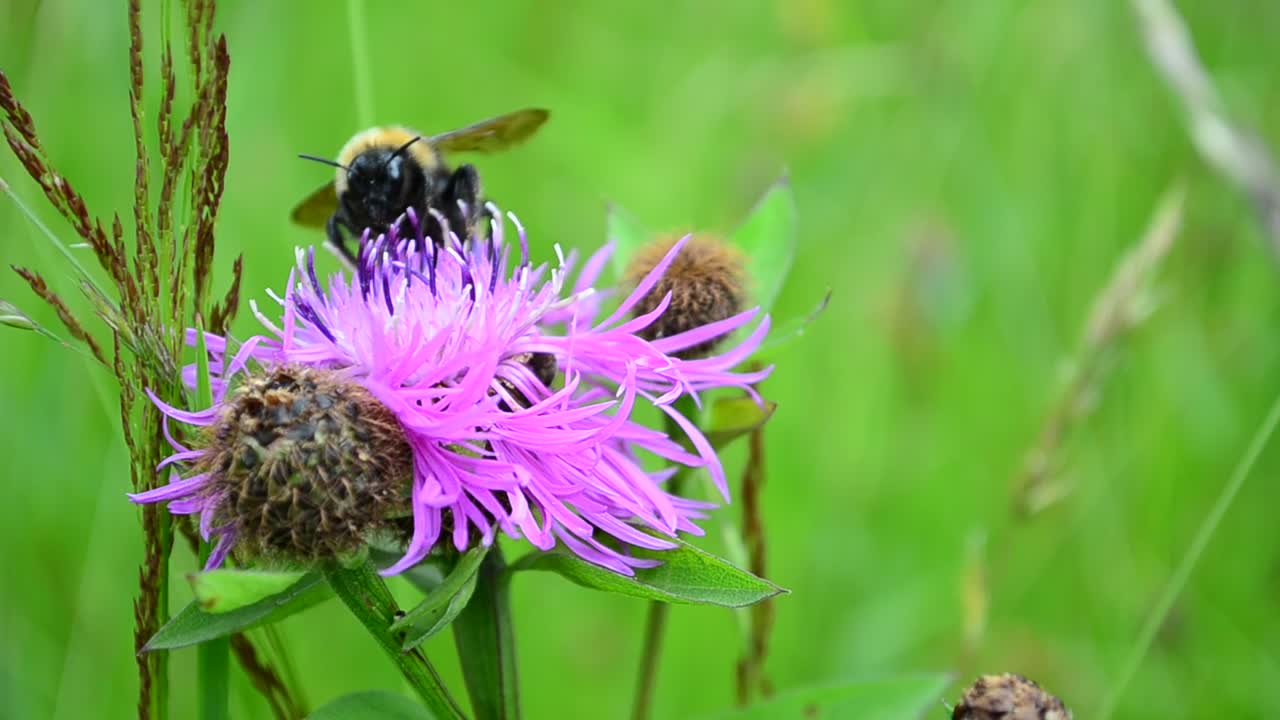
x=687 y=575
x=768 y=238
x=204 y=388
x=905 y=697
x=213 y=657
x=371 y=705
x=366 y=595
x=486 y=644
x=730 y=418
x=192 y=625
x=221 y=591
x=442 y=604
x=426 y=575
x=627 y=235
x=793 y=329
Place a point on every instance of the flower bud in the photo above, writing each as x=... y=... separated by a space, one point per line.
x=707 y=282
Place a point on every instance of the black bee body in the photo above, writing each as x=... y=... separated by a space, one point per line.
x=385 y=171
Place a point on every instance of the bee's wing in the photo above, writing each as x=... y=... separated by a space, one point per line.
x=493 y=134
x=315 y=210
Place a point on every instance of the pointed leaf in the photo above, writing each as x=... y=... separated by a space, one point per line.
x=204 y=388
x=792 y=329
x=905 y=697
x=192 y=625
x=768 y=238
x=627 y=235
x=220 y=591
x=442 y=604
x=426 y=575
x=486 y=644
x=687 y=575
x=730 y=418
x=372 y=705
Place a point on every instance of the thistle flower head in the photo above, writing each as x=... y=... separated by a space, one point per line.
x=460 y=344
x=299 y=463
x=706 y=283
x=1008 y=696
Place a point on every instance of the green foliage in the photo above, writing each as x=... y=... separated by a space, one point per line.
x=192 y=625
x=443 y=603
x=627 y=234
x=768 y=238
x=967 y=176
x=371 y=705
x=486 y=644
x=221 y=591
x=687 y=575
x=728 y=419
x=906 y=697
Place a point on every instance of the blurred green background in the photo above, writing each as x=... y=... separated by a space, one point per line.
x=967 y=174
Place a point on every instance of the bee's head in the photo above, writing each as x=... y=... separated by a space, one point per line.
x=381 y=184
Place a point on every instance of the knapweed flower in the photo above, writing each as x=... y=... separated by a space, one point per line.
x=705 y=283
x=1008 y=696
x=461 y=348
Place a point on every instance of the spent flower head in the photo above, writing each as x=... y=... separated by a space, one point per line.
x=461 y=345
x=1008 y=696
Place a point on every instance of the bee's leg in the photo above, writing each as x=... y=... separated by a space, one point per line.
x=462 y=191
x=336 y=243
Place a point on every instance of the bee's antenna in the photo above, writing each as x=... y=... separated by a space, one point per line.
x=402 y=148
x=325 y=161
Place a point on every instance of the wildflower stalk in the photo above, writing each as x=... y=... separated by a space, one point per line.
x=264 y=678
x=1118 y=309
x=1182 y=574
x=367 y=597
x=156 y=283
x=212 y=679
x=655 y=628
x=486 y=643
x=212 y=656
x=1237 y=152
x=655 y=621
x=750 y=675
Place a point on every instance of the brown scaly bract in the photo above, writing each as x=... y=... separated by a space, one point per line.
x=308 y=464
x=707 y=282
x=1008 y=697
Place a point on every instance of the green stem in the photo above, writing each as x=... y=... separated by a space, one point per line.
x=368 y=598
x=1180 y=577
x=486 y=643
x=213 y=669
x=655 y=624
x=655 y=627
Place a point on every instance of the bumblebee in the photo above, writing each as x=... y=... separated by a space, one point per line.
x=384 y=171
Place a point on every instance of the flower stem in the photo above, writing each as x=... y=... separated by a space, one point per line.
x=655 y=623
x=655 y=626
x=366 y=595
x=486 y=643
x=212 y=667
x=1178 y=581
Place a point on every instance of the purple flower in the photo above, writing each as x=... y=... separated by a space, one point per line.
x=445 y=337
